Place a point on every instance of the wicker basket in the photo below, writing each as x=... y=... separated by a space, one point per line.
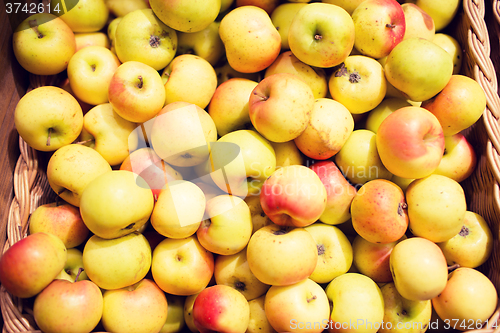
x=476 y=28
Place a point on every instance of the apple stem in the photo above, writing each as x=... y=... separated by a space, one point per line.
x=141 y=82
x=390 y=25
x=453 y=267
x=34 y=26
x=84 y=142
x=80 y=270
x=401 y=207
x=312 y=298
x=263 y=97
x=48 y=136
x=318 y=37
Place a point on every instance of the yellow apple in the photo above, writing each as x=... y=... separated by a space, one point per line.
x=442 y=13
x=381 y=111
x=418 y=22
x=120 y=8
x=84 y=39
x=175 y=315
x=258 y=319
x=188 y=312
x=259 y=218
x=287 y=153
x=88 y=16
x=205 y=43
x=459 y=159
x=348 y=5
x=282 y=17
x=452 y=46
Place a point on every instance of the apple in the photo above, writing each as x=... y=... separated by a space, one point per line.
x=287 y=153
x=339 y=193
x=225 y=72
x=233 y=270
x=210 y=191
x=251 y=41
x=222 y=309
x=372 y=259
x=468 y=300
x=30 y=264
x=359 y=158
x=452 y=46
x=175 y=314
x=66 y=306
x=403 y=315
x=293 y=195
x=282 y=16
x=280 y=107
x=205 y=43
x=259 y=218
x=258 y=320
x=268 y=5
x=358 y=83
x=459 y=159
x=84 y=39
x=188 y=312
x=116 y=203
x=66 y=86
x=120 y=8
x=418 y=68
x=141 y=306
x=442 y=14
x=380 y=25
x=402 y=182
x=136 y=91
x=378 y=211
x=43 y=44
x=330 y=125
x=348 y=5
x=321 y=35
x=315 y=77
x=381 y=111
x=300 y=307
x=88 y=16
x=279 y=255
x=421 y=135
x=186 y=16
x=229 y=105
x=418 y=22
x=73 y=268
x=179 y=210
x=109 y=134
x=61 y=219
x=335 y=253
x=472 y=246
x=182 y=266
x=458 y=105
x=436 y=207
x=90 y=71
x=71 y=168
x=357 y=304
x=189 y=78
x=418 y=268
x=48 y=118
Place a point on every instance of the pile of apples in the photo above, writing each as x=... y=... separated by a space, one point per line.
x=251 y=166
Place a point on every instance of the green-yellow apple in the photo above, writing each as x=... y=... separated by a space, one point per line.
x=418 y=22
x=90 y=71
x=334 y=252
x=258 y=320
x=205 y=43
x=280 y=255
x=66 y=86
x=468 y=300
x=65 y=306
x=459 y=159
x=380 y=25
x=300 y=307
x=402 y=315
x=472 y=246
x=61 y=219
x=186 y=16
x=358 y=83
x=229 y=105
x=410 y=142
x=378 y=211
x=339 y=193
x=280 y=107
x=251 y=41
x=267 y=5
x=48 y=118
x=381 y=111
x=293 y=195
x=189 y=78
x=117 y=263
x=402 y=182
x=357 y=304
x=282 y=17
x=111 y=31
x=116 y=203
x=321 y=35
x=120 y=8
x=419 y=68
x=458 y=105
x=452 y=46
x=220 y=308
x=181 y=134
x=259 y=218
x=233 y=271
x=136 y=91
x=225 y=72
x=88 y=16
x=359 y=160
x=348 y=5
x=179 y=210
x=73 y=268
x=71 y=168
x=227 y=227
x=436 y=207
x=109 y=134
x=287 y=153
x=241 y=161
x=372 y=259
x=84 y=39
x=442 y=13
x=315 y=77
x=182 y=266
x=225 y=5
x=418 y=268
x=330 y=125
x=141 y=306
x=175 y=315
x=30 y=264
x=43 y=44
x=188 y=312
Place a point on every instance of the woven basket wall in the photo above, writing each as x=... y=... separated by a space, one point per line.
x=477 y=28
